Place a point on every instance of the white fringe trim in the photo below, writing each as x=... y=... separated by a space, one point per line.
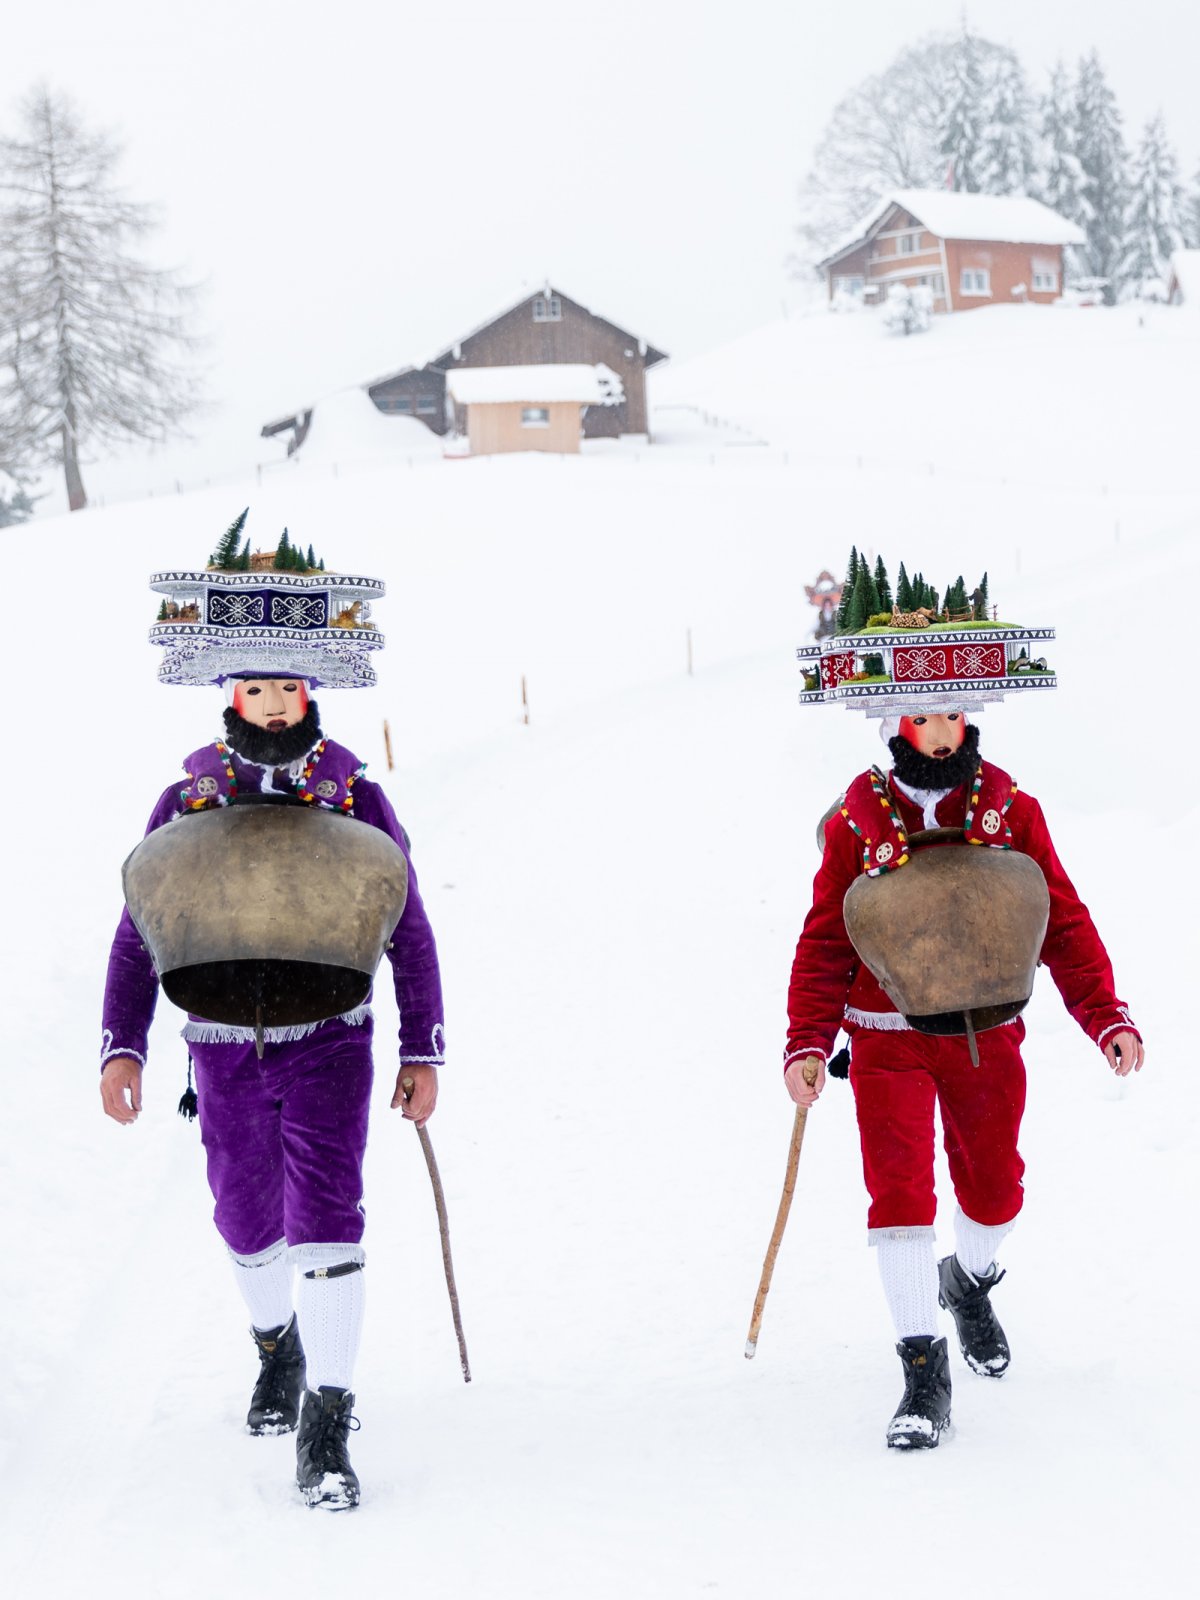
x=327 y=1255
x=229 y=1033
x=437 y=1041
x=883 y=1021
x=1113 y=1027
x=874 y=1235
x=800 y=1055
x=108 y=1051
x=264 y=1258
x=893 y=1022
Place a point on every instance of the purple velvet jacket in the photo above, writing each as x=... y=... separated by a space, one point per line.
x=131 y=990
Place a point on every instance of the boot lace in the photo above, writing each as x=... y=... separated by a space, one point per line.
x=276 y=1377
x=328 y=1450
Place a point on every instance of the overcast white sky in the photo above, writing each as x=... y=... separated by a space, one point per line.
x=358 y=183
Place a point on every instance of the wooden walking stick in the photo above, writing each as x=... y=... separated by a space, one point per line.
x=439 y=1200
x=811 y=1067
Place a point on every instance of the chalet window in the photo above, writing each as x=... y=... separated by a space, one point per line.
x=909 y=244
x=427 y=405
x=535 y=416
x=976 y=280
x=852 y=284
x=547 y=308
x=1045 y=277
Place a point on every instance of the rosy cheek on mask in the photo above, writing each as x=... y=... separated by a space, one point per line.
x=302 y=699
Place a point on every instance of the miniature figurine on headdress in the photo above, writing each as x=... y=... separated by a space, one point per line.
x=923 y=950
x=261 y=905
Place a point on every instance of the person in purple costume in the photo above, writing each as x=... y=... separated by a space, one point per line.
x=285 y=1135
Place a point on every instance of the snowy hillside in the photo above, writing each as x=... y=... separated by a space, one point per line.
x=617 y=889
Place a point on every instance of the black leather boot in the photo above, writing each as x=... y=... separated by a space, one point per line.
x=925 y=1409
x=980 y=1337
x=275 y=1403
x=323 y=1468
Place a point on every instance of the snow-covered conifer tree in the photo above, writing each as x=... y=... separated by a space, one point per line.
x=1191 y=215
x=964 y=115
x=1006 y=155
x=1060 y=179
x=15 y=505
x=1154 y=219
x=89 y=334
x=1101 y=151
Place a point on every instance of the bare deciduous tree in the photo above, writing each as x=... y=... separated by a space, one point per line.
x=91 y=337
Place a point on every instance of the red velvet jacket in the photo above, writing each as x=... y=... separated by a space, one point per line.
x=832 y=989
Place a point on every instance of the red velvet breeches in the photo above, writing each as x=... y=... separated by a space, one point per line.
x=897 y=1077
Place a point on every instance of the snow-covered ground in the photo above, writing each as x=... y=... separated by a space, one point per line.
x=617 y=889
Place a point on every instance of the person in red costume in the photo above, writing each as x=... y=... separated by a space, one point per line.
x=937 y=781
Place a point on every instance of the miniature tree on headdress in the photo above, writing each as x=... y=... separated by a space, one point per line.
x=311 y=560
x=283 y=554
x=870 y=592
x=904 y=592
x=883 y=587
x=225 y=557
x=243 y=561
x=981 y=603
x=847 y=590
x=856 y=608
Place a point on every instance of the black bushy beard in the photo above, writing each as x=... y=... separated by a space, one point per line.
x=936 y=772
x=268 y=749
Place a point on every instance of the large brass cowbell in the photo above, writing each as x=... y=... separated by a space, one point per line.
x=954 y=935
x=266 y=915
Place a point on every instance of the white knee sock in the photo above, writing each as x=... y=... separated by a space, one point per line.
x=330 y=1312
x=265 y=1281
x=910 y=1282
x=975 y=1245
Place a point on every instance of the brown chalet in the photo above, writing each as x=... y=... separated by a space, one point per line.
x=543 y=328
x=969 y=250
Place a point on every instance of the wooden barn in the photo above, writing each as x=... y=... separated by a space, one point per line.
x=536 y=407
x=969 y=250
x=545 y=328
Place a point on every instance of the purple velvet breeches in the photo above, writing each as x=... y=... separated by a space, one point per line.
x=285 y=1137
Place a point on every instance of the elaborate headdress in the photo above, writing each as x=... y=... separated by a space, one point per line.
x=913 y=653
x=267 y=613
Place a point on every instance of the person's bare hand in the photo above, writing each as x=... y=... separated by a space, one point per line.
x=121 y=1089
x=797 y=1078
x=417 y=1102
x=1125 y=1052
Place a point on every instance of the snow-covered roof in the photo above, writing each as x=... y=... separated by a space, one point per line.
x=563 y=380
x=1185 y=266
x=951 y=214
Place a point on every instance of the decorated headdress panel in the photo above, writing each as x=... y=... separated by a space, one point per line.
x=266 y=613
x=909 y=651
